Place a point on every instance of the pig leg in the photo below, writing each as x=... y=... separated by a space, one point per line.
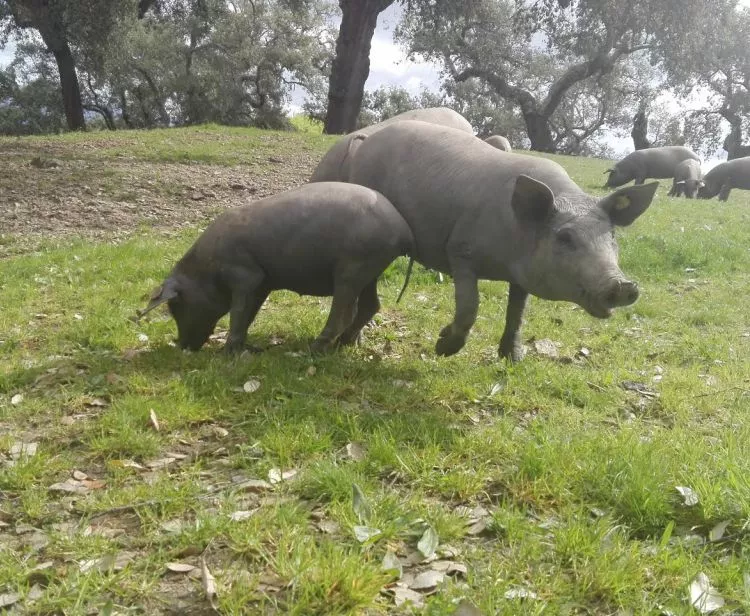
x=639 y=180
x=248 y=295
x=453 y=337
x=343 y=309
x=724 y=192
x=510 y=344
x=368 y=305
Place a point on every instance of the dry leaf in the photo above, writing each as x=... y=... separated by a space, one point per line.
x=96 y=402
x=172 y=526
x=717 y=532
x=359 y=504
x=690 y=497
x=180 y=567
x=79 y=475
x=365 y=533
x=546 y=348
x=15 y=401
x=9 y=598
x=311 y=371
x=160 y=463
x=329 y=527
x=209 y=584
x=239 y=516
x=19 y=450
x=71 y=485
x=251 y=386
x=153 y=419
x=392 y=564
x=276 y=475
x=355 y=451
x=427 y=581
x=405 y=595
x=254 y=485
x=93 y=484
x=520 y=593
x=704 y=597
x=35 y=593
x=428 y=543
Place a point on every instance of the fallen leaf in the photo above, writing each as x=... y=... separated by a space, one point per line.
x=251 y=386
x=71 y=485
x=690 y=497
x=142 y=338
x=153 y=419
x=35 y=593
x=96 y=402
x=477 y=528
x=219 y=431
x=19 y=450
x=717 y=532
x=9 y=598
x=546 y=348
x=276 y=475
x=448 y=567
x=427 y=580
x=496 y=388
x=704 y=597
x=520 y=593
x=254 y=485
x=355 y=451
x=15 y=401
x=79 y=475
x=329 y=527
x=392 y=564
x=359 y=504
x=209 y=584
x=429 y=542
x=160 y=463
x=180 y=567
x=172 y=526
x=466 y=608
x=402 y=596
x=93 y=484
x=365 y=533
x=311 y=371
x=129 y=464
x=239 y=516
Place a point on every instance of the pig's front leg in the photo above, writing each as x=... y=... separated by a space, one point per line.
x=510 y=343
x=453 y=337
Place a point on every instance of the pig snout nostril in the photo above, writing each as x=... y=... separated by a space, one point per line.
x=631 y=293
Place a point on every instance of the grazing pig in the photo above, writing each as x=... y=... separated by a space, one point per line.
x=648 y=163
x=726 y=176
x=687 y=179
x=335 y=164
x=479 y=213
x=321 y=239
x=499 y=142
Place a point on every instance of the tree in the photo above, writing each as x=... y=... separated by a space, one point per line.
x=536 y=54
x=351 y=64
x=65 y=25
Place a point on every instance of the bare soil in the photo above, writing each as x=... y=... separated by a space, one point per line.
x=64 y=191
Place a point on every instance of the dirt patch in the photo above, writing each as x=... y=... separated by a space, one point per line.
x=43 y=197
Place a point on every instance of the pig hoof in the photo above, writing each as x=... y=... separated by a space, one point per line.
x=320 y=346
x=351 y=339
x=514 y=353
x=449 y=345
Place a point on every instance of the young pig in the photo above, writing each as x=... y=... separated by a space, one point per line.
x=327 y=238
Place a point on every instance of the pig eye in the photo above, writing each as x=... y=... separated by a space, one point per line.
x=565 y=238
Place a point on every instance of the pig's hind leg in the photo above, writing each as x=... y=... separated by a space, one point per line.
x=368 y=305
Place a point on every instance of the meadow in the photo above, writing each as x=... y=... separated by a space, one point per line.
x=606 y=473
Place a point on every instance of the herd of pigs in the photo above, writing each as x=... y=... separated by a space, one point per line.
x=422 y=185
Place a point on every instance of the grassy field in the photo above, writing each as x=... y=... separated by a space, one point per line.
x=135 y=478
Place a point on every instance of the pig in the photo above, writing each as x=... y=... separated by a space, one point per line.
x=479 y=213
x=726 y=176
x=499 y=142
x=334 y=166
x=328 y=238
x=687 y=179
x=657 y=163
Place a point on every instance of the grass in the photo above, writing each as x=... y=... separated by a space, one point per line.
x=576 y=473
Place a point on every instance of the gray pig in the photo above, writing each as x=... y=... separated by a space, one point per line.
x=649 y=163
x=334 y=166
x=726 y=176
x=499 y=142
x=687 y=179
x=479 y=213
x=321 y=239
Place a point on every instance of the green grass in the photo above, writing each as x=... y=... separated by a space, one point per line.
x=577 y=474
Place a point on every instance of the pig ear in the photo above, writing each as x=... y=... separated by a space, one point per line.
x=160 y=296
x=610 y=170
x=627 y=204
x=532 y=200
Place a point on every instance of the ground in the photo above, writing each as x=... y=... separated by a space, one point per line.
x=607 y=473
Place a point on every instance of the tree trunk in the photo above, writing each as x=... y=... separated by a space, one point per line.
x=71 y=92
x=351 y=65
x=640 y=129
x=733 y=141
x=539 y=131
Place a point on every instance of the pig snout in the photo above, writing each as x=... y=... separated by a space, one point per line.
x=621 y=293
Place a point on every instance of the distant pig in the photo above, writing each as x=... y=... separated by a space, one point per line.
x=499 y=142
x=656 y=163
x=321 y=239
x=726 y=176
x=687 y=179
x=481 y=214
